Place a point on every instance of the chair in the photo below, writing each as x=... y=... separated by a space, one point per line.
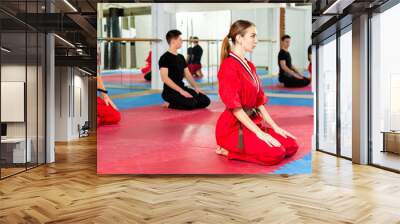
x=84 y=130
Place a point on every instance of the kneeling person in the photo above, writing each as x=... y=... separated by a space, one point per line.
x=194 y=58
x=288 y=74
x=173 y=69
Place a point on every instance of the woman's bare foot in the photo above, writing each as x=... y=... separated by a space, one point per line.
x=165 y=105
x=221 y=151
x=199 y=74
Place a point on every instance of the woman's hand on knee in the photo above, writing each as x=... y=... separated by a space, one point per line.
x=283 y=132
x=109 y=102
x=267 y=138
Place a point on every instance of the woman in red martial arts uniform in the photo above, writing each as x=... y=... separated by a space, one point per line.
x=107 y=112
x=146 y=70
x=241 y=133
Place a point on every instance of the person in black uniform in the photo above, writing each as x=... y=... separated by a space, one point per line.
x=194 y=57
x=189 y=50
x=289 y=75
x=173 y=68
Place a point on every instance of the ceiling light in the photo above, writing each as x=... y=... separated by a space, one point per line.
x=331 y=7
x=70 y=5
x=338 y=6
x=64 y=40
x=5 y=50
x=86 y=72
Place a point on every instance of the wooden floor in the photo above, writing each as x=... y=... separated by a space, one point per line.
x=10 y=171
x=387 y=159
x=69 y=191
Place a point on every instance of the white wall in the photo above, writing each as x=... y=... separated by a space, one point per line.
x=266 y=17
x=33 y=126
x=71 y=102
x=143 y=30
x=198 y=24
x=267 y=23
x=14 y=72
x=62 y=78
x=13 y=101
x=298 y=26
x=80 y=103
x=163 y=19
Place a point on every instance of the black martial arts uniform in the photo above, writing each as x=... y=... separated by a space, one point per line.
x=195 y=54
x=176 y=65
x=287 y=79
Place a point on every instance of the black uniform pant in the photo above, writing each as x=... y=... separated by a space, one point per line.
x=177 y=101
x=148 y=76
x=292 y=82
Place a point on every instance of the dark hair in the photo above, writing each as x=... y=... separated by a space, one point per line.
x=237 y=28
x=285 y=37
x=195 y=39
x=172 y=34
x=309 y=50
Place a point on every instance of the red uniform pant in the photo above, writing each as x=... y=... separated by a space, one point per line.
x=146 y=69
x=193 y=68
x=106 y=114
x=257 y=151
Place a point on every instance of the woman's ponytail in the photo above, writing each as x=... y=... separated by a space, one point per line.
x=239 y=27
x=226 y=47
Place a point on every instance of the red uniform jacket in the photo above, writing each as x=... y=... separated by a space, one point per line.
x=239 y=86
